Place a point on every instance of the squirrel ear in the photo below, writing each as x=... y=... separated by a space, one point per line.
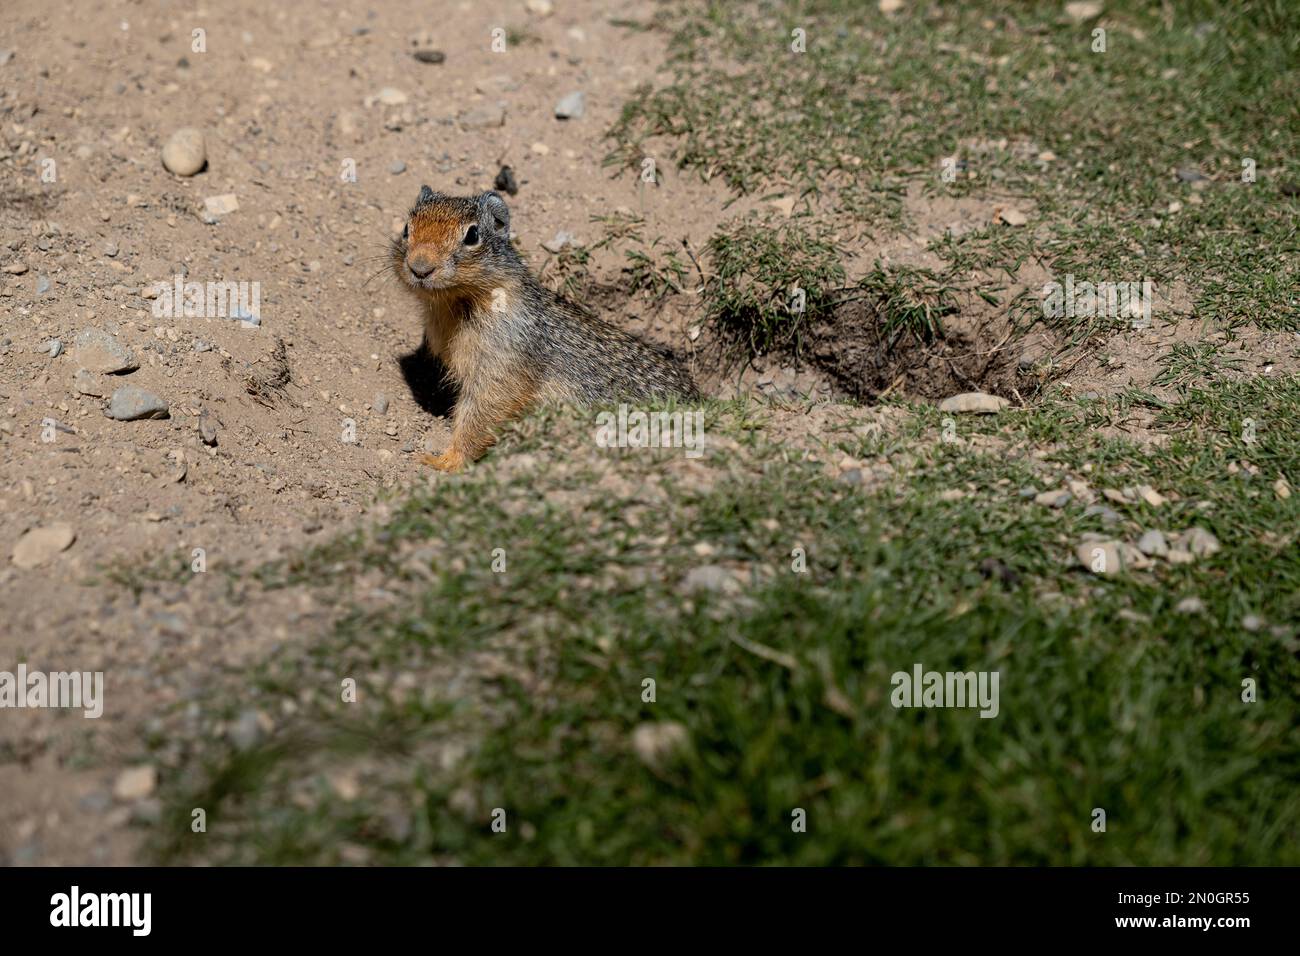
x=496 y=210
x=426 y=195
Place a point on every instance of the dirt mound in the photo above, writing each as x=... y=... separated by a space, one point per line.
x=856 y=350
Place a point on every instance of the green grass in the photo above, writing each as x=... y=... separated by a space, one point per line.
x=875 y=104
x=1194 y=362
x=770 y=281
x=523 y=690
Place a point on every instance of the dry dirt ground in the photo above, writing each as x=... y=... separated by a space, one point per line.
x=286 y=95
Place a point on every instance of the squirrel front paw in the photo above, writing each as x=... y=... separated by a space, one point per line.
x=449 y=461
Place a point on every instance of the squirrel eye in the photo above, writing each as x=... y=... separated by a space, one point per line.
x=406 y=231
x=471 y=236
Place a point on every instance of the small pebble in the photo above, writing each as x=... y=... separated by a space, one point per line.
x=223 y=205
x=135 y=783
x=657 y=743
x=1153 y=544
x=1101 y=557
x=572 y=106
x=207 y=428
x=974 y=403
x=390 y=96
x=1200 y=542
x=185 y=153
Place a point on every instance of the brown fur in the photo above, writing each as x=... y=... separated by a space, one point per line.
x=506 y=342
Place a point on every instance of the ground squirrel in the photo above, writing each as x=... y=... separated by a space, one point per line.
x=507 y=342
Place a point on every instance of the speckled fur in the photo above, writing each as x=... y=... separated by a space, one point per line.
x=506 y=341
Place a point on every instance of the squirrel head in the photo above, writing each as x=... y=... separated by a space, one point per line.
x=451 y=243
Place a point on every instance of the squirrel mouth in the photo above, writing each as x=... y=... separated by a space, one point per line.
x=430 y=282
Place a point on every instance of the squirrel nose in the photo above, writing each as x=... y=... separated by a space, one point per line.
x=419 y=266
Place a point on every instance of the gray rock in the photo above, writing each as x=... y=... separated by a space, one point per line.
x=397 y=168
x=381 y=404
x=1190 y=174
x=1108 y=515
x=974 y=403
x=1190 y=605
x=51 y=347
x=1153 y=544
x=42 y=285
x=430 y=56
x=97 y=351
x=1200 y=542
x=484 y=117
x=129 y=404
x=572 y=106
